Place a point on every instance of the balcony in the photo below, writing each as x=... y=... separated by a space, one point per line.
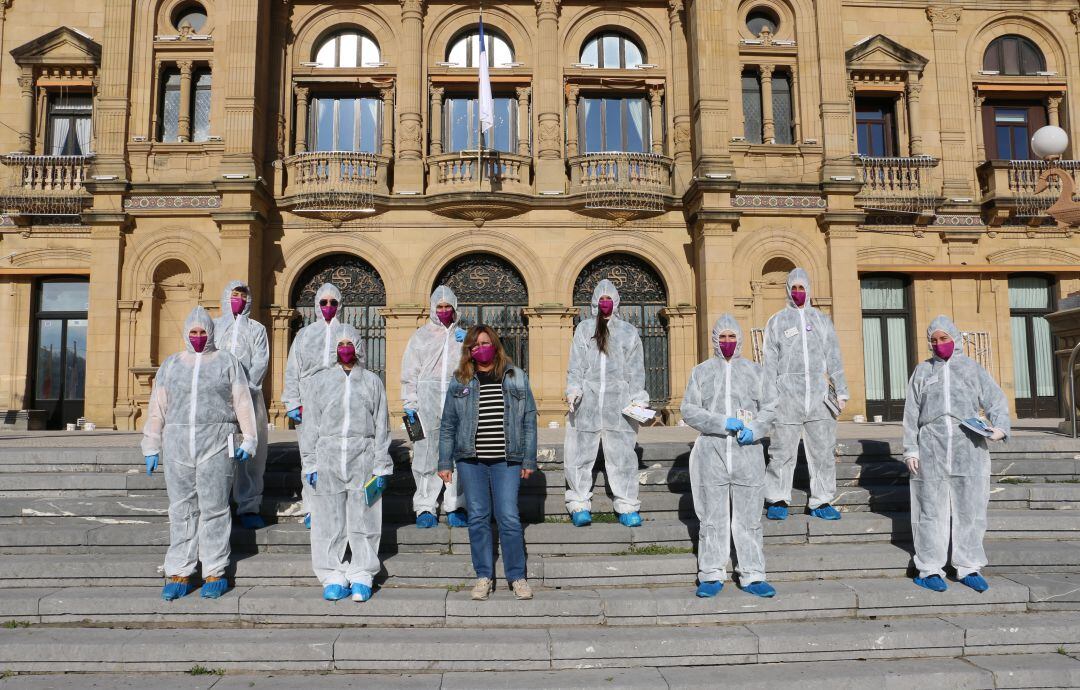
x=45 y=185
x=622 y=183
x=898 y=185
x=335 y=185
x=1008 y=189
x=498 y=172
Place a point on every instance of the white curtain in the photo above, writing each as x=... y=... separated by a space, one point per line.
x=1044 y=357
x=873 y=361
x=898 y=357
x=882 y=293
x=82 y=133
x=1029 y=292
x=637 y=117
x=61 y=126
x=585 y=145
x=369 y=125
x=1020 y=355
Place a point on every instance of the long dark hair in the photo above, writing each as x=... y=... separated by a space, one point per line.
x=601 y=332
x=467 y=367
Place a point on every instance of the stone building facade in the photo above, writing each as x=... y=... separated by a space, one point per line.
x=692 y=150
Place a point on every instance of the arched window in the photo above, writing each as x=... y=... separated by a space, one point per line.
x=349 y=48
x=611 y=50
x=190 y=14
x=1013 y=55
x=465 y=50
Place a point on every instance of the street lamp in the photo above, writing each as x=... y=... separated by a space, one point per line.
x=1049 y=143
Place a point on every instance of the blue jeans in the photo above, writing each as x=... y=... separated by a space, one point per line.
x=492 y=485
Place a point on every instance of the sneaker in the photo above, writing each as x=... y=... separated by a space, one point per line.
x=457 y=518
x=334 y=592
x=482 y=589
x=426 y=520
x=826 y=512
x=252 y=521
x=934 y=583
x=709 y=589
x=360 y=592
x=175 y=588
x=777 y=511
x=214 y=587
x=630 y=519
x=581 y=518
x=761 y=588
x=976 y=581
x=521 y=589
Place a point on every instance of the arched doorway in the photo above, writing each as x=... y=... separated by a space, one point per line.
x=491 y=291
x=642 y=296
x=362 y=295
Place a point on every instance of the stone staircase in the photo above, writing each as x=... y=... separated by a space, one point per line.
x=83 y=533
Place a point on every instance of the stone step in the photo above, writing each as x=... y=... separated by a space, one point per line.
x=759 y=646
x=86 y=535
x=785 y=563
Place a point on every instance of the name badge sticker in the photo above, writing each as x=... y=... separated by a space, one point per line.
x=791 y=332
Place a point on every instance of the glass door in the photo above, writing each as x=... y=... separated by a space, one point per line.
x=886 y=350
x=59 y=367
x=1034 y=372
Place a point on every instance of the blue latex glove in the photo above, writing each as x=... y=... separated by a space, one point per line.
x=459 y=335
x=381 y=482
x=746 y=436
x=294 y=415
x=411 y=414
x=151 y=463
x=312 y=479
x=242 y=455
x=733 y=424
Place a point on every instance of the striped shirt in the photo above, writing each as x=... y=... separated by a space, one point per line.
x=490 y=433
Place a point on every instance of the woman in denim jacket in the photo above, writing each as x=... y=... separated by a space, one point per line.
x=489 y=431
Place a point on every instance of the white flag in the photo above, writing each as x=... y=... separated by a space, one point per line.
x=487 y=105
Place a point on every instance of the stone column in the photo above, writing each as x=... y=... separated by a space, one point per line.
x=387 y=94
x=656 y=124
x=401 y=322
x=126 y=409
x=951 y=71
x=245 y=73
x=409 y=166
x=678 y=104
x=713 y=239
x=280 y=318
x=836 y=118
x=845 y=289
x=107 y=260
x=301 y=118
x=682 y=355
x=183 y=127
x=548 y=100
x=709 y=91
x=112 y=105
x=914 y=88
x=980 y=145
x=551 y=332
x=768 y=120
x=1053 y=103
x=26 y=95
x=796 y=106
x=523 y=93
x=436 y=120
x=572 y=91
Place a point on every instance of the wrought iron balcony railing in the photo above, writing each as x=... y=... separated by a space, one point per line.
x=334 y=184
x=898 y=185
x=622 y=181
x=45 y=185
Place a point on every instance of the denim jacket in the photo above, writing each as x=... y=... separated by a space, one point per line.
x=461 y=410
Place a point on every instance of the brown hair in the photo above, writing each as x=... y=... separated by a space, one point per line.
x=601 y=332
x=467 y=367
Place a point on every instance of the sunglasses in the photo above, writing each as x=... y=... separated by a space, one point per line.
x=331 y=302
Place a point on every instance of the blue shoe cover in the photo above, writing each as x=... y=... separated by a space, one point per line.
x=777 y=511
x=581 y=518
x=252 y=521
x=760 y=589
x=976 y=581
x=334 y=592
x=175 y=590
x=709 y=589
x=826 y=512
x=934 y=583
x=457 y=518
x=213 y=589
x=307 y=521
x=426 y=520
x=630 y=519
x=360 y=592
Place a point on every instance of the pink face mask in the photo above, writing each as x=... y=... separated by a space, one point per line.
x=727 y=348
x=346 y=353
x=606 y=305
x=483 y=354
x=198 y=342
x=944 y=350
x=445 y=316
x=798 y=297
x=237 y=304
x=328 y=311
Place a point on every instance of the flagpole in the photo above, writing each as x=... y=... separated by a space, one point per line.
x=479 y=132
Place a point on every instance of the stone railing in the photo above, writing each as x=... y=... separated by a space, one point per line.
x=625 y=184
x=1008 y=186
x=45 y=185
x=335 y=172
x=897 y=185
x=494 y=171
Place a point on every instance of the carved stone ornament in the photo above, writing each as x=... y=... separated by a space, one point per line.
x=943 y=15
x=479 y=213
x=410 y=132
x=549 y=133
x=682 y=133
x=1074 y=16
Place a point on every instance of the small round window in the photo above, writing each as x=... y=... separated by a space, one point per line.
x=761 y=18
x=192 y=14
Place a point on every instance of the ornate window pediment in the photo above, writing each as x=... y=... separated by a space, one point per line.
x=63 y=46
x=880 y=53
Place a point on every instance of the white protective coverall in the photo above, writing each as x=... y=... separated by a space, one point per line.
x=430 y=358
x=348 y=426
x=606 y=382
x=727 y=479
x=198 y=400
x=801 y=358
x=313 y=350
x=245 y=338
x=953 y=478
